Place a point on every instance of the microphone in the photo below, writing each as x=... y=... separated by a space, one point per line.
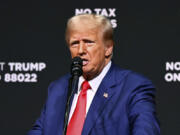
x=76 y=66
x=76 y=72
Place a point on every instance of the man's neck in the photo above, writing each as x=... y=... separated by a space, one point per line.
x=90 y=76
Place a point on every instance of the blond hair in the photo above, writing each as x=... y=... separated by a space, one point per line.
x=98 y=21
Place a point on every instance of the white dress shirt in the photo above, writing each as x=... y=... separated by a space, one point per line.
x=94 y=83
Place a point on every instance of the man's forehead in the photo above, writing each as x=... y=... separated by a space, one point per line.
x=86 y=33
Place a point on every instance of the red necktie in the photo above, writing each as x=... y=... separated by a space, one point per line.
x=77 y=120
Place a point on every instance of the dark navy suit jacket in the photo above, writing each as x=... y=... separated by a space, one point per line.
x=129 y=108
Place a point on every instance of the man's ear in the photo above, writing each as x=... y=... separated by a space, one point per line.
x=109 y=48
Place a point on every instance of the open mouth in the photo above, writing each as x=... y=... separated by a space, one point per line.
x=85 y=62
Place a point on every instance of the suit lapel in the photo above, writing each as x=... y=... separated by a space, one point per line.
x=101 y=98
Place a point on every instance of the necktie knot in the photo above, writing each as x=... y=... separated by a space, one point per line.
x=85 y=86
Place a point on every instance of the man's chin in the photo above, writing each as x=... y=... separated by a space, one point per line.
x=85 y=69
x=87 y=74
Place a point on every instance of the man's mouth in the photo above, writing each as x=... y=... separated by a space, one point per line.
x=85 y=62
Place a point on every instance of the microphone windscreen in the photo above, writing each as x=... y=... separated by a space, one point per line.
x=76 y=66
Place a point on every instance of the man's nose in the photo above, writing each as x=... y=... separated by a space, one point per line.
x=82 y=48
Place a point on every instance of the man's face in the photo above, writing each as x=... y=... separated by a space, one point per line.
x=86 y=42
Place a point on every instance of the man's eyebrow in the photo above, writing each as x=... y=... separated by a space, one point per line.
x=88 y=40
x=74 y=42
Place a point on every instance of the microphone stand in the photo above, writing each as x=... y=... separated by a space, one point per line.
x=73 y=85
x=76 y=71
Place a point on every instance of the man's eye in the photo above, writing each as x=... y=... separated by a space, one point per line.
x=74 y=43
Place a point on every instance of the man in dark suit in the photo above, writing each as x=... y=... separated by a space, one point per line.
x=109 y=100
